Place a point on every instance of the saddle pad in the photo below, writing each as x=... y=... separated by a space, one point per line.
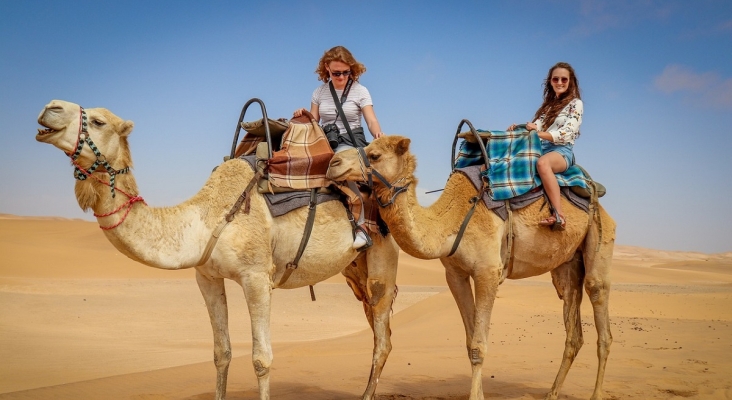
x=282 y=203
x=473 y=174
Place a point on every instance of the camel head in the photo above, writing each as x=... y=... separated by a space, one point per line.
x=95 y=140
x=62 y=121
x=388 y=155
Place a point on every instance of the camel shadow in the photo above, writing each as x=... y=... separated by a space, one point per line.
x=441 y=389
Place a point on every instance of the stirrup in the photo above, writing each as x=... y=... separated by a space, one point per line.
x=369 y=241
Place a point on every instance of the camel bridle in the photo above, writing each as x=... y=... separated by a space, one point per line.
x=368 y=173
x=81 y=173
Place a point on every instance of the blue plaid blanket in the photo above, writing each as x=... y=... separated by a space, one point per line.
x=512 y=157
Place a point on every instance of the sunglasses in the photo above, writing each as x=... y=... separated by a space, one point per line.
x=556 y=79
x=339 y=73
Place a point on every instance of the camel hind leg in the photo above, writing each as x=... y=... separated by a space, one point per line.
x=214 y=294
x=567 y=279
x=598 y=259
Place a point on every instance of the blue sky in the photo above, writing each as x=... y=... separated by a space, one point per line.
x=656 y=79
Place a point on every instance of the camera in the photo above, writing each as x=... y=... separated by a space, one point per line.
x=332 y=133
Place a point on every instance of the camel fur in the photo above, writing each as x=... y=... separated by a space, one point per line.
x=579 y=256
x=252 y=250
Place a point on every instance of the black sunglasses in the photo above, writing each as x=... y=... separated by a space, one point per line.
x=339 y=73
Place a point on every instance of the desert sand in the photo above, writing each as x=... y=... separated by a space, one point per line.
x=78 y=320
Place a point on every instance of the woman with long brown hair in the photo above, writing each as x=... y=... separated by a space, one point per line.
x=557 y=122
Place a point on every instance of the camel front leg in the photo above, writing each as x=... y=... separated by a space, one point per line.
x=214 y=294
x=258 y=292
x=486 y=289
x=381 y=262
x=459 y=283
x=567 y=279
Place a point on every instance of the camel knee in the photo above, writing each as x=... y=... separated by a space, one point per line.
x=476 y=356
x=597 y=290
x=260 y=369
x=222 y=358
x=573 y=346
x=376 y=291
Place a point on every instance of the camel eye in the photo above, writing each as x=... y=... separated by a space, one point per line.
x=374 y=157
x=99 y=123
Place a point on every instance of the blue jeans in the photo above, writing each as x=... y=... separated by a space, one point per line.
x=564 y=150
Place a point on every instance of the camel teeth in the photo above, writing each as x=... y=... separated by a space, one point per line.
x=45 y=131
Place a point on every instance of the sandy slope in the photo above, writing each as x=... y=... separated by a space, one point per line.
x=80 y=321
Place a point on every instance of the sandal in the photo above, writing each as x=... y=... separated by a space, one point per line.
x=556 y=222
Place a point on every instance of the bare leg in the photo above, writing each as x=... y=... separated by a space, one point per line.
x=567 y=279
x=548 y=165
x=214 y=294
x=258 y=292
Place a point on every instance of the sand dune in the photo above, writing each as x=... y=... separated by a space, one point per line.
x=81 y=321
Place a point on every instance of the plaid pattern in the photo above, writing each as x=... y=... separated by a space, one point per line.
x=368 y=206
x=512 y=157
x=512 y=164
x=303 y=159
x=573 y=176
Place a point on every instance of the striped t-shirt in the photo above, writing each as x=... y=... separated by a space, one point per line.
x=358 y=98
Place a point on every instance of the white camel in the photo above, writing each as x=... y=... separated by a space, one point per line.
x=253 y=250
x=579 y=256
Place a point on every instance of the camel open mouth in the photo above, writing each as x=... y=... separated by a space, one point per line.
x=45 y=134
x=46 y=131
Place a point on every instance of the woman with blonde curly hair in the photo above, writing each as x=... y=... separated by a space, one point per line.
x=557 y=122
x=338 y=67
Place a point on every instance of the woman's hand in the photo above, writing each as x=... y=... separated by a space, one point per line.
x=530 y=126
x=512 y=127
x=298 y=112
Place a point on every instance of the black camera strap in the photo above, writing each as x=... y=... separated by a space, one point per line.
x=343 y=115
x=346 y=90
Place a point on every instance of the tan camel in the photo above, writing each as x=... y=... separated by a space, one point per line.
x=577 y=256
x=253 y=250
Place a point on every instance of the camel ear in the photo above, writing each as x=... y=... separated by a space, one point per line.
x=403 y=146
x=126 y=128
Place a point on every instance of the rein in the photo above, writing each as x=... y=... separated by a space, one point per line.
x=82 y=174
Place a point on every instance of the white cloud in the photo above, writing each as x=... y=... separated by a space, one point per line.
x=707 y=88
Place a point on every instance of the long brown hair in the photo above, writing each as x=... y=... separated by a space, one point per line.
x=338 y=53
x=552 y=104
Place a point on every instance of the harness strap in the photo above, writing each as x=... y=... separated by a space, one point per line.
x=475 y=200
x=292 y=266
x=243 y=198
x=507 y=256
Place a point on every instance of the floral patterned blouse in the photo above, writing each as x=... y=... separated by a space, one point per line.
x=565 y=129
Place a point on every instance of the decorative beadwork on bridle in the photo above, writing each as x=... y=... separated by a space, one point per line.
x=82 y=173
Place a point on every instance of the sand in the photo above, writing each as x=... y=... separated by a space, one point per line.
x=78 y=320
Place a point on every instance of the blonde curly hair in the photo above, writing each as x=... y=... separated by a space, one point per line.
x=338 y=53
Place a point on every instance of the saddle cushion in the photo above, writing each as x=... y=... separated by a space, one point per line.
x=303 y=159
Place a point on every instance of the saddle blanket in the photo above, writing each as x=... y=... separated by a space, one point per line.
x=475 y=176
x=282 y=203
x=512 y=157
